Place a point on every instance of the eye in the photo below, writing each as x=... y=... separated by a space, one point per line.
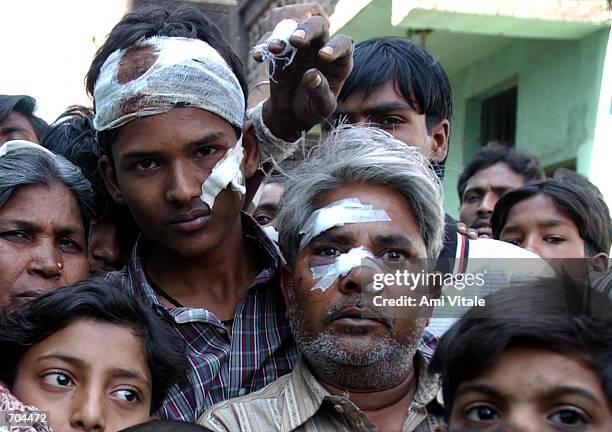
x=58 y=379
x=472 y=197
x=147 y=164
x=328 y=251
x=482 y=413
x=394 y=256
x=127 y=395
x=206 y=151
x=569 y=417
x=15 y=236
x=515 y=242
x=554 y=239
x=262 y=219
x=68 y=245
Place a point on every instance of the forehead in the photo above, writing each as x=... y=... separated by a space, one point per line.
x=525 y=373
x=498 y=174
x=272 y=193
x=362 y=101
x=172 y=130
x=44 y=206
x=97 y=345
x=538 y=208
x=16 y=119
x=382 y=198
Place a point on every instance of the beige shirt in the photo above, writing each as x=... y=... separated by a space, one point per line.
x=298 y=402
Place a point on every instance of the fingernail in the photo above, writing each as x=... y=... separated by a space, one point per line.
x=328 y=51
x=316 y=81
x=299 y=34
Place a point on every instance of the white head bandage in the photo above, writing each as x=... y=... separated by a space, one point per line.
x=225 y=172
x=157 y=74
x=342 y=265
x=282 y=32
x=20 y=144
x=338 y=213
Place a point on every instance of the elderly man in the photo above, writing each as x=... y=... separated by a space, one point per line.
x=17 y=119
x=363 y=204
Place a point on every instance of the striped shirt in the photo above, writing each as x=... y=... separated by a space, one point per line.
x=298 y=402
x=259 y=349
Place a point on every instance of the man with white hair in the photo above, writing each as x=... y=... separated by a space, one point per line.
x=362 y=204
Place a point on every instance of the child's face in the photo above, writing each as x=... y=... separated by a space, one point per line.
x=90 y=376
x=537 y=224
x=532 y=389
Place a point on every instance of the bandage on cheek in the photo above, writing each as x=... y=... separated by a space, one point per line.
x=282 y=32
x=342 y=265
x=225 y=172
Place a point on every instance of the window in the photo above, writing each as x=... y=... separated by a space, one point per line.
x=498 y=118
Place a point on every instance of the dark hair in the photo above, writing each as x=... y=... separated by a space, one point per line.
x=166 y=426
x=533 y=315
x=184 y=21
x=419 y=76
x=99 y=300
x=25 y=105
x=579 y=200
x=522 y=163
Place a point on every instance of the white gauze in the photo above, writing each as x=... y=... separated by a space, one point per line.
x=282 y=32
x=20 y=144
x=157 y=74
x=225 y=172
x=343 y=264
x=338 y=213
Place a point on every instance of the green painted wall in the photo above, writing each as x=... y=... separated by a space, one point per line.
x=558 y=91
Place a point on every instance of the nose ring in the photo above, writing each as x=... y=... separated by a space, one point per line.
x=59 y=265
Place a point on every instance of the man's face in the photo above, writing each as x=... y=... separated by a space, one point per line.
x=265 y=213
x=42 y=243
x=16 y=127
x=329 y=325
x=90 y=376
x=532 y=390
x=482 y=191
x=160 y=163
x=385 y=107
x=537 y=224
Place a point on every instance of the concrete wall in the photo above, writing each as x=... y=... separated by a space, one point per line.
x=558 y=95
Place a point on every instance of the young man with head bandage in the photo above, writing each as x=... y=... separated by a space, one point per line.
x=362 y=204
x=169 y=98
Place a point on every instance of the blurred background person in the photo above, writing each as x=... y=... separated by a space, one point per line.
x=17 y=119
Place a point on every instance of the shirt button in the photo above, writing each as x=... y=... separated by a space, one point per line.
x=242 y=391
x=339 y=408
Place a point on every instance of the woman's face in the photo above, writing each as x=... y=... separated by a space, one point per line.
x=42 y=243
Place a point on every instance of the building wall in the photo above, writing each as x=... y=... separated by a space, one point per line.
x=558 y=95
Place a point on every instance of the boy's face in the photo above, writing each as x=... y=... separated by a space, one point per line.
x=90 y=376
x=160 y=163
x=532 y=390
x=536 y=224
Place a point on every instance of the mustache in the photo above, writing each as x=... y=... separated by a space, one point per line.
x=335 y=311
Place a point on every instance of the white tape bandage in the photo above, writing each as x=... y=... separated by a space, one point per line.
x=157 y=74
x=342 y=266
x=338 y=213
x=20 y=144
x=282 y=32
x=225 y=172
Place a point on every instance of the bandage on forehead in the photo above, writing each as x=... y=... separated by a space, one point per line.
x=157 y=74
x=342 y=266
x=281 y=32
x=338 y=213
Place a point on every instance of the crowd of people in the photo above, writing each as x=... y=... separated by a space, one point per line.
x=164 y=267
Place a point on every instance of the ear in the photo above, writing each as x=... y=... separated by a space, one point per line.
x=251 y=153
x=439 y=141
x=107 y=171
x=286 y=286
x=598 y=263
